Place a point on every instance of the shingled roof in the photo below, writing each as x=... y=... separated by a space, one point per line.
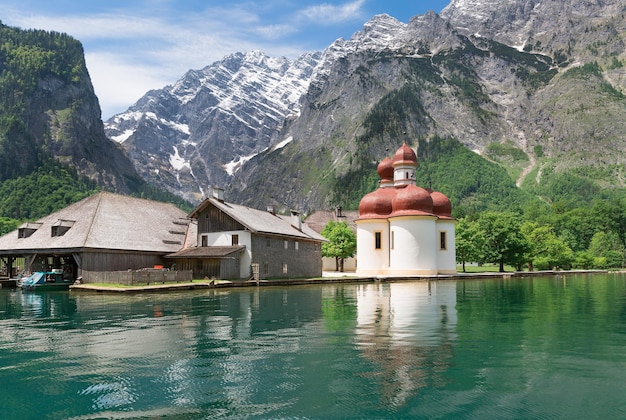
x=207 y=252
x=259 y=221
x=103 y=221
x=318 y=219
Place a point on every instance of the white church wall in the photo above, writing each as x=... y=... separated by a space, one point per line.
x=414 y=252
x=446 y=258
x=372 y=261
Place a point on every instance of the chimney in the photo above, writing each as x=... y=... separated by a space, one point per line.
x=218 y=194
x=338 y=213
x=270 y=209
x=296 y=221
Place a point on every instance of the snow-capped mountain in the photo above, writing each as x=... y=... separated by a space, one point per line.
x=553 y=27
x=196 y=133
x=517 y=73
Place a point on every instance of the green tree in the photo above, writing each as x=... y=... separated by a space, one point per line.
x=607 y=249
x=341 y=242
x=583 y=260
x=546 y=250
x=503 y=239
x=7 y=225
x=469 y=241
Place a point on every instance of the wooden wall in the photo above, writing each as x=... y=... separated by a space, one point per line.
x=118 y=261
x=136 y=277
x=218 y=268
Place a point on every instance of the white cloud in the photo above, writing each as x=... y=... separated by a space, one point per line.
x=119 y=83
x=330 y=14
x=130 y=51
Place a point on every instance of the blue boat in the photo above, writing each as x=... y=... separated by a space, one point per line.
x=46 y=280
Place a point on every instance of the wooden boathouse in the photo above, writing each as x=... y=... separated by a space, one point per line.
x=105 y=232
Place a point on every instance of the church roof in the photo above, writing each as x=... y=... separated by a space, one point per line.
x=402 y=199
x=404 y=156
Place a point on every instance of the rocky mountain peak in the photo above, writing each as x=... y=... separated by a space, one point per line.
x=483 y=72
x=200 y=130
x=549 y=26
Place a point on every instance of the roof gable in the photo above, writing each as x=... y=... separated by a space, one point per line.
x=259 y=221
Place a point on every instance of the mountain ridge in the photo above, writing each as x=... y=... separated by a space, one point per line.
x=489 y=74
x=222 y=114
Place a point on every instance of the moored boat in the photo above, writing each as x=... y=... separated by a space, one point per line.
x=46 y=280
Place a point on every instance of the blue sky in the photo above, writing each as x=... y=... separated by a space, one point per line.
x=134 y=46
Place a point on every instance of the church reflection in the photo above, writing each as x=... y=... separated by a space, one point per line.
x=406 y=331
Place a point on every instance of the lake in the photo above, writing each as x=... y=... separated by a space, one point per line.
x=541 y=347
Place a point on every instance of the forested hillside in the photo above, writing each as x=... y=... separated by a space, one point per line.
x=53 y=150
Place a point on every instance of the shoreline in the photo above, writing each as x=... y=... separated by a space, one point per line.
x=327 y=278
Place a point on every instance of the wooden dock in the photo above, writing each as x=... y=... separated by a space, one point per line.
x=6 y=282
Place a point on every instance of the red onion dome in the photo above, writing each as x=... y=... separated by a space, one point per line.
x=385 y=169
x=405 y=155
x=412 y=200
x=441 y=204
x=377 y=204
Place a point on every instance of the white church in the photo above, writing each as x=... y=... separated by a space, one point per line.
x=403 y=229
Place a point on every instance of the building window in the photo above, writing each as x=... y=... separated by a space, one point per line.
x=24 y=233
x=443 y=241
x=59 y=230
x=393 y=239
x=296 y=245
x=266 y=269
x=268 y=242
x=286 y=244
x=284 y=268
x=205 y=240
x=378 y=240
x=235 y=240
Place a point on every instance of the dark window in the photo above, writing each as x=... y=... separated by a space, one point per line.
x=235 y=240
x=378 y=240
x=59 y=230
x=205 y=241
x=442 y=241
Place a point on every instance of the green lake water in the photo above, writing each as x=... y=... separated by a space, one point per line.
x=536 y=348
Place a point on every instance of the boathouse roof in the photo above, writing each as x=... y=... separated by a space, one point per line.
x=103 y=221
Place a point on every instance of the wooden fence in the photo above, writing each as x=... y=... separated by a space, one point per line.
x=137 y=277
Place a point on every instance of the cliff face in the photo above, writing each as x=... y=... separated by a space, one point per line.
x=536 y=87
x=543 y=81
x=195 y=134
x=50 y=111
x=431 y=81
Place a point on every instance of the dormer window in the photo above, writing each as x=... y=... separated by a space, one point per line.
x=61 y=226
x=27 y=229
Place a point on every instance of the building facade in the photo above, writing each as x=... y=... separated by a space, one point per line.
x=238 y=242
x=404 y=229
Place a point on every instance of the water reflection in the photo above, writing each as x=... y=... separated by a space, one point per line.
x=408 y=349
x=407 y=331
